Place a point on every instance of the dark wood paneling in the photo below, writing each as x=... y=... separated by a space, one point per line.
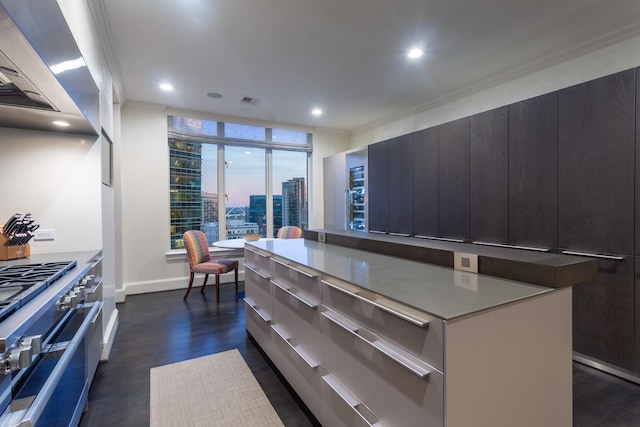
x=379 y=186
x=425 y=190
x=596 y=165
x=453 y=179
x=401 y=185
x=488 y=171
x=533 y=172
x=603 y=314
x=637 y=183
x=636 y=363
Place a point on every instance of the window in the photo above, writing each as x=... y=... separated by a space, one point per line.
x=219 y=182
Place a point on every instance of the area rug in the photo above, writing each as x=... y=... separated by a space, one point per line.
x=215 y=390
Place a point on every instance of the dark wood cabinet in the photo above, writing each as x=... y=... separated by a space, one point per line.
x=603 y=314
x=488 y=171
x=637 y=183
x=425 y=185
x=379 y=187
x=453 y=179
x=596 y=153
x=401 y=185
x=533 y=172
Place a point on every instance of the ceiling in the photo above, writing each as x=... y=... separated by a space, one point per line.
x=344 y=56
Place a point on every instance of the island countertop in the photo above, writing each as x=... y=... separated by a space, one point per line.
x=439 y=291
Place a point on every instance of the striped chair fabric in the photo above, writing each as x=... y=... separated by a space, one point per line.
x=195 y=242
x=289 y=232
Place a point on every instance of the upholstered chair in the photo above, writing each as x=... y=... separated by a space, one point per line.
x=289 y=232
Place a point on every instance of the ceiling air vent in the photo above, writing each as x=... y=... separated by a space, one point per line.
x=249 y=100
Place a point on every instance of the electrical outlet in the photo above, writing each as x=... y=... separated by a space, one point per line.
x=49 y=234
x=465 y=262
x=321 y=237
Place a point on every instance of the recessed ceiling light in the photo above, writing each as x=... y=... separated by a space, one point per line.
x=166 y=87
x=316 y=112
x=414 y=53
x=214 y=95
x=60 y=123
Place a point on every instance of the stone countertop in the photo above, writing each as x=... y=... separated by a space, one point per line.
x=440 y=291
x=531 y=266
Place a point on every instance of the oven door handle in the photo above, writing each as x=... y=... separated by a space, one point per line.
x=42 y=398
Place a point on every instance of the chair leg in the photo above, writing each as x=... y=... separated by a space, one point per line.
x=236 y=280
x=217 y=288
x=189 y=287
x=206 y=277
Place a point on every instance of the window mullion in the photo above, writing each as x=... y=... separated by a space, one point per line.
x=222 y=206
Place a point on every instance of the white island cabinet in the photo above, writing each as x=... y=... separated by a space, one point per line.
x=368 y=339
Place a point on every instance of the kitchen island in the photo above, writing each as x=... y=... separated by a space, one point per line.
x=365 y=338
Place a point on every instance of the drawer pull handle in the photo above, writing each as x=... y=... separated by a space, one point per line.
x=377 y=232
x=264 y=316
x=256 y=271
x=615 y=258
x=304 y=273
x=255 y=253
x=370 y=419
x=503 y=245
x=399 y=234
x=299 y=351
x=378 y=344
x=404 y=316
x=296 y=296
x=443 y=239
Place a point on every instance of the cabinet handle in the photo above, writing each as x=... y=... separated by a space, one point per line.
x=399 y=234
x=247 y=266
x=296 y=296
x=384 y=349
x=503 y=245
x=299 y=351
x=616 y=258
x=351 y=401
x=260 y=313
x=304 y=273
x=443 y=239
x=377 y=232
x=255 y=253
x=404 y=316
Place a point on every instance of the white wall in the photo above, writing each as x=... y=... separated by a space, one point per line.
x=615 y=58
x=56 y=178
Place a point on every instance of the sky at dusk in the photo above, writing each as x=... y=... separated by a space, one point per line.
x=245 y=172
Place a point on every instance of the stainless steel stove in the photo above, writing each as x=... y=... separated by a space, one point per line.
x=48 y=315
x=20 y=283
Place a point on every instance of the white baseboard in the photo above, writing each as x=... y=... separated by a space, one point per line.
x=110 y=336
x=170 y=284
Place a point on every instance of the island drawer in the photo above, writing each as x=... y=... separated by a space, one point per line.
x=296 y=278
x=258 y=288
x=256 y=259
x=413 y=331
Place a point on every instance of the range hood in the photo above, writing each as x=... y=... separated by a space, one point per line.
x=34 y=39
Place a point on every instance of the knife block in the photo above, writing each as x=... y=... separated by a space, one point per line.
x=12 y=252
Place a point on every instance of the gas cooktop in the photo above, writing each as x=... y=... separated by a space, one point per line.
x=21 y=283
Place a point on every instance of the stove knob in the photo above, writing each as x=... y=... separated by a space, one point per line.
x=18 y=358
x=80 y=294
x=35 y=342
x=62 y=304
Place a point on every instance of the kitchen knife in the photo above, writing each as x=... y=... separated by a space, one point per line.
x=8 y=227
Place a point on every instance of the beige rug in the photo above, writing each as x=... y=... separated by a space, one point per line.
x=216 y=390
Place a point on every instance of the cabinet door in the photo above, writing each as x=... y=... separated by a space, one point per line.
x=401 y=185
x=637 y=189
x=596 y=165
x=533 y=172
x=603 y=314
x=379 y=187
x=425 y=184
x=488 y=176
x=453 y=179
x=335 y=184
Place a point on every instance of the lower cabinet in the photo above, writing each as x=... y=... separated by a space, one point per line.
x=357 y=358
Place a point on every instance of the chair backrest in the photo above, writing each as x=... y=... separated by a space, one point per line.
x=289 y=232
x=195 y=241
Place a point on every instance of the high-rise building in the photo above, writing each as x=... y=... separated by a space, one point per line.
x=185 y=187
x=209 y=208
x=258 y=212
x=294 y=203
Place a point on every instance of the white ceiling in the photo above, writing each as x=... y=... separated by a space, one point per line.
x=346 y=56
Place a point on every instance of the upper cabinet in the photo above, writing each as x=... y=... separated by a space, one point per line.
x=453 y=179
x=401 y=185
x=425 y=183
x=379 y=187
x=533 y=172
x=596 y=156
x=488 y=176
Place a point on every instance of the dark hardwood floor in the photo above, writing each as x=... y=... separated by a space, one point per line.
x=160 y=328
